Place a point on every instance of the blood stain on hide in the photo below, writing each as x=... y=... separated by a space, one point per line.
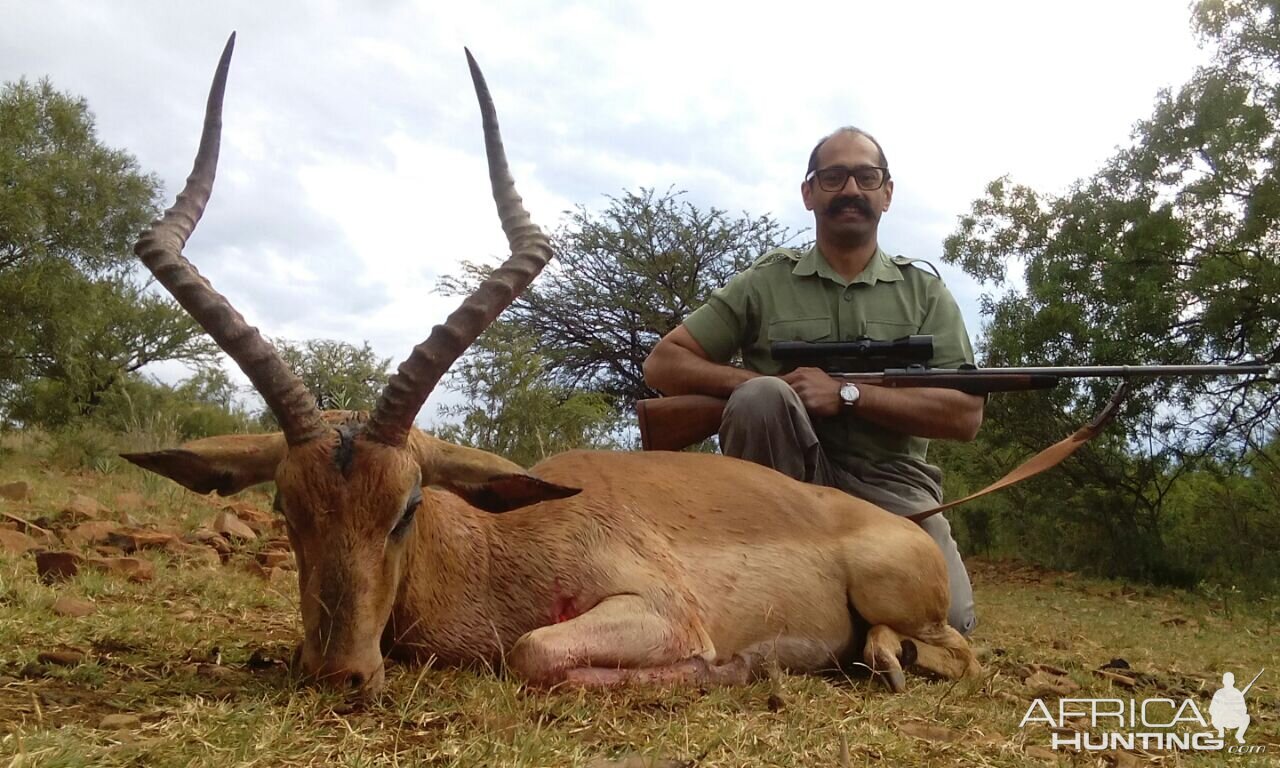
x=564 y=607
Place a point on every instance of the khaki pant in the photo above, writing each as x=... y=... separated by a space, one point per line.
x=765 y=422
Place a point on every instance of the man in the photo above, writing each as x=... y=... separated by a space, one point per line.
x=867 y=440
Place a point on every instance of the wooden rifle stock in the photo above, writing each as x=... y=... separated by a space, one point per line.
x=675 y=423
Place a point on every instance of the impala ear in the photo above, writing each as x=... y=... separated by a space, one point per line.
x=226 y=464
x=507 y=492
x=484 y=480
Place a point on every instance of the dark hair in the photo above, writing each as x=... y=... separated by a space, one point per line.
x=813 y=156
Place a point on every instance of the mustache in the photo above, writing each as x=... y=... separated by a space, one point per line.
x=840 y=203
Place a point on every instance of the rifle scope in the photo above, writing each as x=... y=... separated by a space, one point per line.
x=860 y=354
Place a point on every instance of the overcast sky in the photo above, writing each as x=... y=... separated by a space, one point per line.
x=352 y=172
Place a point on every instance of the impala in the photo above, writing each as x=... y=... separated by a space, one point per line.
x=593 y=568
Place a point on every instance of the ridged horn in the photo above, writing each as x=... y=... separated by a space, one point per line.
x=412 y=383
x=160 y=248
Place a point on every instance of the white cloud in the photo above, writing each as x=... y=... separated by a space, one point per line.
x=353 y=175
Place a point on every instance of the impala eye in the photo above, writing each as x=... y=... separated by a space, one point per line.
x=402 y=524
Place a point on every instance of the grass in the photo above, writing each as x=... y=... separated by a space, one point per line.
x=197 y=656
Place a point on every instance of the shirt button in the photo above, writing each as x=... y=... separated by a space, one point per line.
x=848 y=296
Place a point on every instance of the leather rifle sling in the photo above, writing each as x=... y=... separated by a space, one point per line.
x=1046 y=459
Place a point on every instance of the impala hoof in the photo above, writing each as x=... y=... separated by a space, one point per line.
x=895 y=679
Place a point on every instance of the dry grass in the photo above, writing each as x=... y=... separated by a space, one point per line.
x=197 y=655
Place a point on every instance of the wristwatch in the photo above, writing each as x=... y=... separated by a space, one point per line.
x=849 y=394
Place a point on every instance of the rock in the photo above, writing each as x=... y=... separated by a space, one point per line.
x=132 y=540
x=79 y=509
x=929 y=732
x=230 y=526
x=216 y=671
x=70 y=606
x=92 y=532
x=1046 y=684
x=16 y=491
x=57 y=566
x=1051 y=669
x=1123 y=759
x=210 y=538
x=278 y=544
x=276 y=560
x=132 y=568
x=1042 y=753
x=202 y=535
x=64 y=658
x=129 y=502
x=16 y=543
x=120 y=722
x=250 y=514
x=254 y=568
x=1009 y=697
x=193 y=553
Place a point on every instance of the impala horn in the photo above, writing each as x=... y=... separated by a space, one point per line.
x=412 y=383
x=160 y=248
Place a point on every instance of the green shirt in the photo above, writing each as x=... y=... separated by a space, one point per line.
x=788 y=295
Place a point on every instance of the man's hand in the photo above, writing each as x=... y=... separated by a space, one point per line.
x=819 y=392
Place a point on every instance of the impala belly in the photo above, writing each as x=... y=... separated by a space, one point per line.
x=761 y=556
x=774 y=600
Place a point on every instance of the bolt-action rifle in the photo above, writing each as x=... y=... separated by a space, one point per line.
x=673 y=423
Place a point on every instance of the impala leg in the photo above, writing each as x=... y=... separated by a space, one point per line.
x=881 y=653
x=901 y=589
x=621 y=640
x=943 y=651
x=940 y=650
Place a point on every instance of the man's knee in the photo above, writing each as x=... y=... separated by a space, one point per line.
x=963 y=618
x=759 y=399
x=765 y=422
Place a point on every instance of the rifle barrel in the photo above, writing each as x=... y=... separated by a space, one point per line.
x=1102 y=371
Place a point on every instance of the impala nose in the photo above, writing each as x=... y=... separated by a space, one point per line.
x=347 y=681
x=355 y=683
x=348 y=678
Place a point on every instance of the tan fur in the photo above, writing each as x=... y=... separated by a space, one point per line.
x=676 y=563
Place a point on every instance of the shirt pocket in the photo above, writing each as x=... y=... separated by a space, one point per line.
x=889 y=330
x=800 y=329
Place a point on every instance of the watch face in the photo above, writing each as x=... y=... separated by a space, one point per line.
x=849 y=393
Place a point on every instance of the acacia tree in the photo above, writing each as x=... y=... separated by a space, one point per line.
x=511 y=408
x=76 y=319
x=1167 y=254
x=622 y=278
x=339 y=375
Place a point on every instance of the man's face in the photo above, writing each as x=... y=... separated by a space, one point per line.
x=848 y=215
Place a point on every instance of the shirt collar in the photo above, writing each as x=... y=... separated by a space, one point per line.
x=879 y=269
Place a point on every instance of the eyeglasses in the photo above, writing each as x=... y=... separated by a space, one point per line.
x=867 y=177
